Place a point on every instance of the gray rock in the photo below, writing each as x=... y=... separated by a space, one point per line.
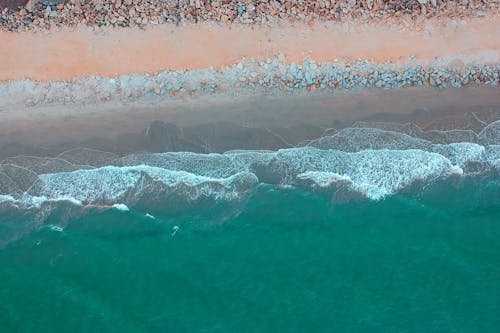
x=308 y=77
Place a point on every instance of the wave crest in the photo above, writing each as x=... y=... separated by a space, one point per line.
x=371 y=162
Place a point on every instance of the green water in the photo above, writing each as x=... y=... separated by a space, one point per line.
x=290 y=262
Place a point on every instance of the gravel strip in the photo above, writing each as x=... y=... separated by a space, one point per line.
x=270 y=77
x=39 y=15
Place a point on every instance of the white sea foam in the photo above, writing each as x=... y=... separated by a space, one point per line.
x=112 y=185
x=387 y=164
x=325 y=179
x=357 y=139
x=121 y=207
x=379 y=173
x=56 y=228
x=36 y=201
x=493 y=156
x=33 y=201
x=375 y=173
x=7 y=198
x=461 y=152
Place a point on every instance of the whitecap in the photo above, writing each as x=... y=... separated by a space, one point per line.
x=175 y=229
x=7 y=198
x=56 y=228
x=325 y=179
x=121 y=207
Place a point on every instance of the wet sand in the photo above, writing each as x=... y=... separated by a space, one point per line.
x=220 y=123
x=70 y=53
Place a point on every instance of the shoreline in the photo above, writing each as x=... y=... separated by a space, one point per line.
x=81 y=83
x=222 y=121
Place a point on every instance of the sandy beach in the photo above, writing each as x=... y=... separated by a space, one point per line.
x=70 y=53
x=68 y=85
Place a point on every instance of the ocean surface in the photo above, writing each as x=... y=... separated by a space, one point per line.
x=366 y=229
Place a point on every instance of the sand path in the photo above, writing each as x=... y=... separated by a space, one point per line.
x=62 y=55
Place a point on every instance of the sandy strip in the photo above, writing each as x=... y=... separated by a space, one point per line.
x=64 y=55
x=59 y=124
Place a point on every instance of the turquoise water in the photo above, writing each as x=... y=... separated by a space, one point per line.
x=291 y=261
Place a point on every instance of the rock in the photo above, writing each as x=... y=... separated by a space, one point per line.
x=48 y=10
x=308 y=77
x=31 y=5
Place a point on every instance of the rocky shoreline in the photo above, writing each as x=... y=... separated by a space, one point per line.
x=250 y=78
x=36 y=15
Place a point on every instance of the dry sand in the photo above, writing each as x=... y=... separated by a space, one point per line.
x=65 y=54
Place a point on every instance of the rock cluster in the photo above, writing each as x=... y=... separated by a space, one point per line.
x=271 y=77
x=42 y=14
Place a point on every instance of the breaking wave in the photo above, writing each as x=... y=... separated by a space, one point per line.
x=353 y=163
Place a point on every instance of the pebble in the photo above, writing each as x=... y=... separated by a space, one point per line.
x=247 y=77
x=308 y=78
x=140 y=13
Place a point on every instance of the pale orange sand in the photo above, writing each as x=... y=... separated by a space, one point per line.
x=63 y=55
